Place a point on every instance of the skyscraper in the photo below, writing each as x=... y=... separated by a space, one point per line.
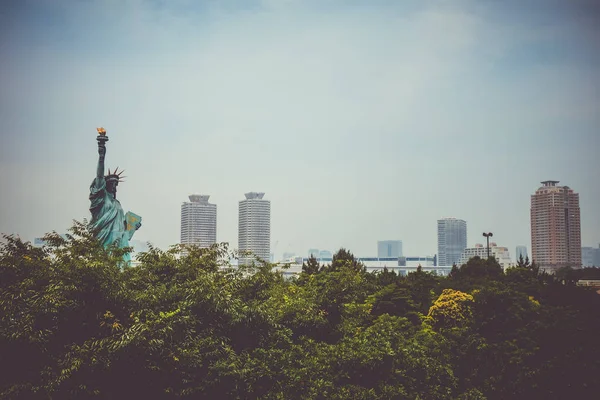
x=198 y=221
x=555 y=227
x=254 y=227
x=389 y=248
x=452 y=240
x=521 y=251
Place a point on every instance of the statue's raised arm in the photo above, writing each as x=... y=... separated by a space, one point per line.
x=102 y=139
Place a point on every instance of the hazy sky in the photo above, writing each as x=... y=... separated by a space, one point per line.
x=360 y=120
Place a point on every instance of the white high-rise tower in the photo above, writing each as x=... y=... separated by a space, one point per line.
x=254 y=231
x=199 y=221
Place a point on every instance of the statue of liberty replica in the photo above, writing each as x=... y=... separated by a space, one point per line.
x=108 y=222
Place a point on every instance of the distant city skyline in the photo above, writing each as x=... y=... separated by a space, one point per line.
x=361 y=120
x=198 y=226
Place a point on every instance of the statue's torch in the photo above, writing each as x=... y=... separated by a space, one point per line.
x=102 y=138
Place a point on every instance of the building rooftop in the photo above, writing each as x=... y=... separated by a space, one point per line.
x=549 y=183
x=254 y=195
x=199 y=198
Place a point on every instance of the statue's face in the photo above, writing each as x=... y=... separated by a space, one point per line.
x=111 y=186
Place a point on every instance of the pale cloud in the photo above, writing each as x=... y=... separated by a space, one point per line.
x=360 y=123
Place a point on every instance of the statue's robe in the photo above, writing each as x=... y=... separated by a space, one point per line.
x=108 y=220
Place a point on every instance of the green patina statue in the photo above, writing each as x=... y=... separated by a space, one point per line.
x=108 y=223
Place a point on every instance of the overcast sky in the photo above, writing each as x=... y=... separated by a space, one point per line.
x=360 y=120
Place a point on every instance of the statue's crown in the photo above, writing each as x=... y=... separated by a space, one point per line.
x=114 y=176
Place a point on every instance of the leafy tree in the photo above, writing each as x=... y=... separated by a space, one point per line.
x=185 y=324
x=523 y=263
x=452 y=308
x=453 y=272
x=386 y=277
x=395 y=300
x=345 y=259
x=476 y=272
x=421 y=286
x=567 y=275
x=311 y=266
x=589 y=273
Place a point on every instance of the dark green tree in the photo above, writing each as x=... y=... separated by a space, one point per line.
x=186 y=324
x=311 y=266
x=523 y=263
x=567 y=275
x=345 y=259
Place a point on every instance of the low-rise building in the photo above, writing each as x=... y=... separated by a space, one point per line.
x=501 y=254
x=400 y=265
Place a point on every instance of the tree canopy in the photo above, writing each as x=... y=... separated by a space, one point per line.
x=184 y=324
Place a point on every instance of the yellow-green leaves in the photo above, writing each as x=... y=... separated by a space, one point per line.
x=452 y=308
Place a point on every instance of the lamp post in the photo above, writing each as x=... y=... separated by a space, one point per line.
x=487 y=236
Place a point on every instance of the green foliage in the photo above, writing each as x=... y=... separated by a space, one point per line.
x=453 y=309
x=311 y=266
x=570 y=276
x=477 y=269
x=343 y=259
x=184 y=323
